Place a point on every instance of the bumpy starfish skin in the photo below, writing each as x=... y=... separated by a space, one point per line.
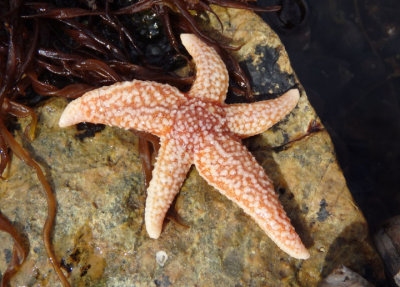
x=198 y=128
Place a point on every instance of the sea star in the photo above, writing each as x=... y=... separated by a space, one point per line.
x=197 y=128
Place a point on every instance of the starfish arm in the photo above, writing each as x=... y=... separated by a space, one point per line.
x=229 y=167
x=141 y=105
x=246 y=120
x=211 y=75
x=173 y=163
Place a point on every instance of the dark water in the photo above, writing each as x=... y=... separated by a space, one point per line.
x=347 y=55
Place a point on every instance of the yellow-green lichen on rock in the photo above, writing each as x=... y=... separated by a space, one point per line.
x=100 y=234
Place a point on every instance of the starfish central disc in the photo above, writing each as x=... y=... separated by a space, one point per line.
x=195 y=120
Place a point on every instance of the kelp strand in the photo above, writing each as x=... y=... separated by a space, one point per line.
x=50 y=198
x=19 y=254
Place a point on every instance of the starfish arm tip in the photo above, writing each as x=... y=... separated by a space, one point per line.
x=294 y=95
x=153 y=234
x=304 y=255
x=186 y=37
x=292 y=246
x=63 y=122
x=153 y=225
x=300 y=253
x=69 y=117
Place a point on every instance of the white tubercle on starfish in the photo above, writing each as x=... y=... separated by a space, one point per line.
x=198 y=128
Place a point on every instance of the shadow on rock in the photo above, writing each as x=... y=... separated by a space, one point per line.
x=352 y=248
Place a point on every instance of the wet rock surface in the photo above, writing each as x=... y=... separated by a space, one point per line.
x=100 y=235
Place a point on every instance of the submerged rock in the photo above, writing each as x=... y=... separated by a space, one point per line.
x=100 y=236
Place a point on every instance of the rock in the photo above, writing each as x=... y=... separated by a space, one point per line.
x=387 y=241
x=99 y=233
x=344 y=277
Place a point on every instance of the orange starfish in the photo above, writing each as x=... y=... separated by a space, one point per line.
x=197 y=128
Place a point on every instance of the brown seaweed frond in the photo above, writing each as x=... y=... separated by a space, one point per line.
x=15 y=60
x=20 y=252
x=177 y=17
x=148 y=150
x=23 y=155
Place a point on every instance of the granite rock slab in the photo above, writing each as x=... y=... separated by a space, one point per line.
x=100 y=235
